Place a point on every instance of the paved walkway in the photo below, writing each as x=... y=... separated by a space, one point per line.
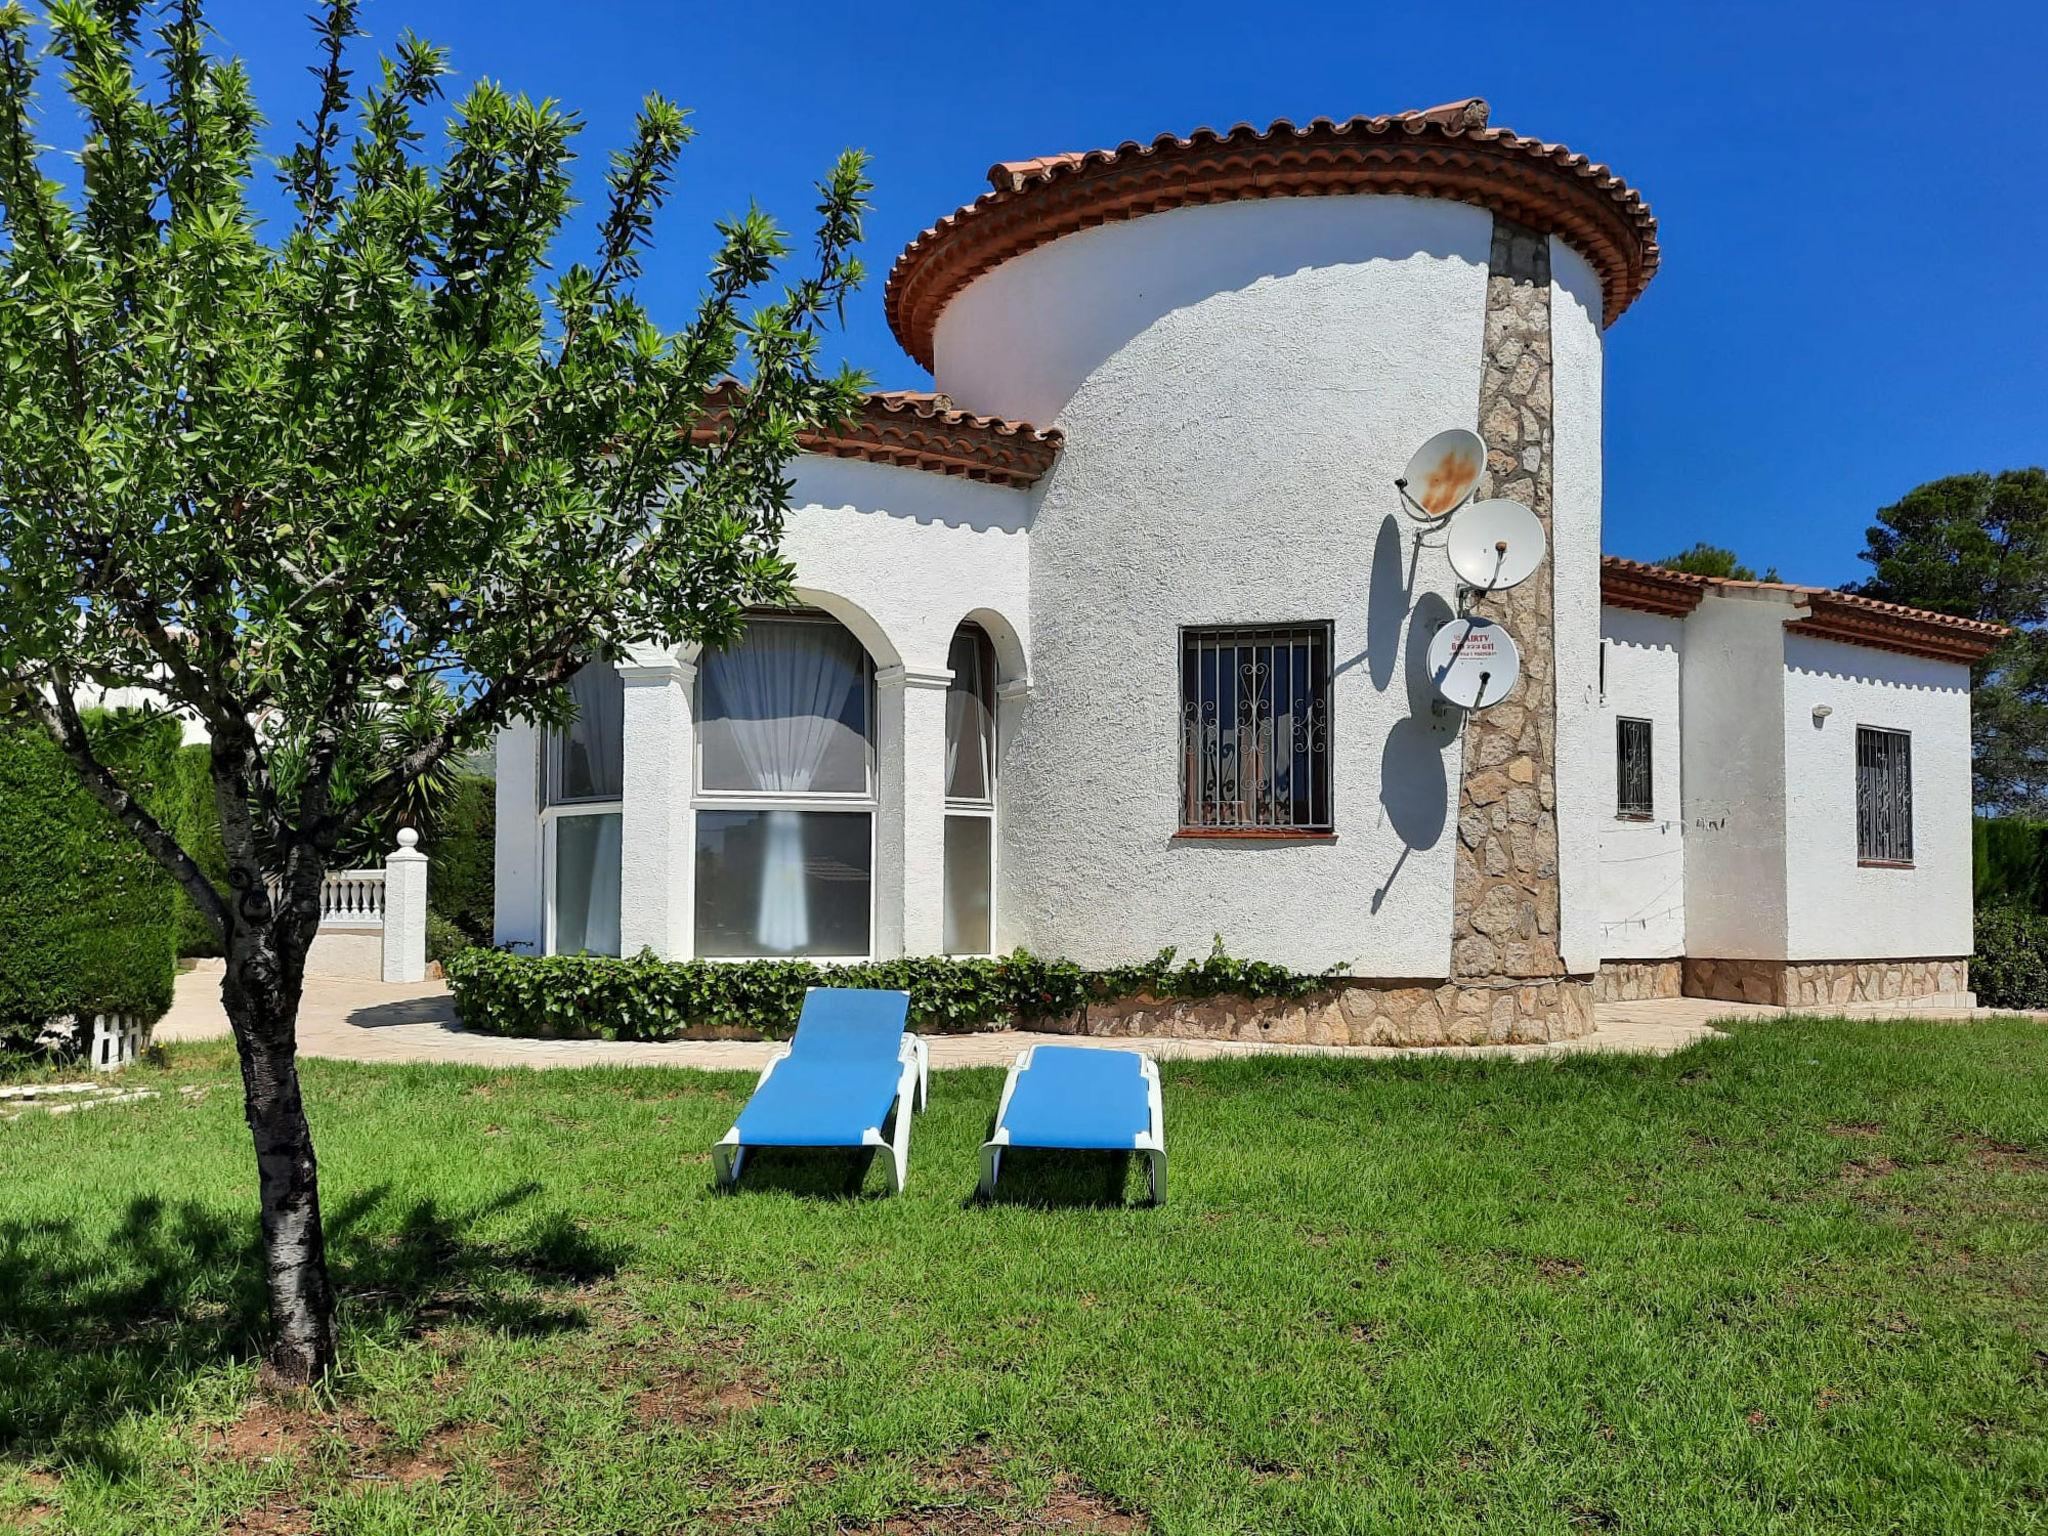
x=377 y=1021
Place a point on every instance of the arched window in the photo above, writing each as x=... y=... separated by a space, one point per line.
x=785 y=792
x=582 y=781
x=970 y=793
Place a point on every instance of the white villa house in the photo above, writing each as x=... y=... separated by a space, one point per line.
x=1116 y=641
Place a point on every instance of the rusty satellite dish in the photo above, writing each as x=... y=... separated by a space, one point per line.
x=1443 y=474
x=1473 y=663
x=1495 y=544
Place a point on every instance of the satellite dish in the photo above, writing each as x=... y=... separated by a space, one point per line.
x=1495 y=544
x=1443 y=474
x=1473 y=662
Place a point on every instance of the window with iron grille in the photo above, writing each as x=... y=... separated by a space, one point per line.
x=1632 y=795
x=1884 y=796
x=1255 y=729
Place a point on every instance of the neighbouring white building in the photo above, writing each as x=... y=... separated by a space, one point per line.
x=1116 y=642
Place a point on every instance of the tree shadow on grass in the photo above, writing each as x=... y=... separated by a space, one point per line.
x=95 y=1326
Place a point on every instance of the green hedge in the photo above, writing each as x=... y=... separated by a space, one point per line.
x=2010 y=968
x=585 y=996
x=185 y=806
x=2010 y=862
x=88 y=922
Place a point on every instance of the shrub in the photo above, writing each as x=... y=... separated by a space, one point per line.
x=87 y=920
x=2010 y=862
x=185 y=805
x=462 y=851
x=2010 y=967
x=649 y=999
x=444 y=940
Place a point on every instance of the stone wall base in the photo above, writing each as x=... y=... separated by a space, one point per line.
x=1819 y=983
x=1358 y=1013
x=1638 y=981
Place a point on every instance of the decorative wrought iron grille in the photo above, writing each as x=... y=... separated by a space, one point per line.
x=1884 y=795
x=1255 y=728
x=1633 y=796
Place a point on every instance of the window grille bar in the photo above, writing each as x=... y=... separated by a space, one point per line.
x=1884 y=795
x=1634 y=788
x=1255 y=706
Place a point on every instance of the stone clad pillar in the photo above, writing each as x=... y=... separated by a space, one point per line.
x=1506 y=905
x=656 y=857
x=910 y=840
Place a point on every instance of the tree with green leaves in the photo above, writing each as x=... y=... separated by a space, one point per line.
x=356 y=487
x=1705 y=559
x=1977 y=546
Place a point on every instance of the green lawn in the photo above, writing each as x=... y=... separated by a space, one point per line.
x=1788 y=1282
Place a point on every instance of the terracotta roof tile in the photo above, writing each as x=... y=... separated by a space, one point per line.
x=1830 y=615
x=1448 y=151
x=920 y=429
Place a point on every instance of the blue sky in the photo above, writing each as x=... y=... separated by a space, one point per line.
x=1852 y=200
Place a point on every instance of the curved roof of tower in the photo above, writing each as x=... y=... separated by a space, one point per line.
x=1444 y=152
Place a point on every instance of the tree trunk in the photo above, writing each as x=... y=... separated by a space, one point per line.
x=262 y=999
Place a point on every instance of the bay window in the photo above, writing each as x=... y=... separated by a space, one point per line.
x=582 y=780
x=970 y=793
x=785 y=793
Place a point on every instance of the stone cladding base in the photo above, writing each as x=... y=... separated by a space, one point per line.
x=1358 y=1013
x=1818 y=983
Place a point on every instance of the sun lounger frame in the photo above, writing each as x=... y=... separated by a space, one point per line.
x=1149 y=1143
x=913 y=1092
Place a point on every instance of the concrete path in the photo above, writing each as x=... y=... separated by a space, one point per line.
x=377 y=1021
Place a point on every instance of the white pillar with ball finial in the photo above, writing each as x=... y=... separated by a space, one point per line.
x=405 y=910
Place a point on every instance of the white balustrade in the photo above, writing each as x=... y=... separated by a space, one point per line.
x=117 y=1040
x=352 y=898
x=390 y=903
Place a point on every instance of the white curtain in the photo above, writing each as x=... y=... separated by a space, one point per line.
x=970 y=727
x=601 y=922
x=786 y=693
x=587 y=884
x=588 y=760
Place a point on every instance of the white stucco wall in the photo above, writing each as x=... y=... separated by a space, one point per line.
x=1239 y=386
x=1577 y=361
x=1641 y=889
x=902 y=556
x=1732 y=698
x=1838 y=910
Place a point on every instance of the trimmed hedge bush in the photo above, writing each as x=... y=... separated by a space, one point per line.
x=2010 y=968
x=185 y=805
x=88 y=921
x=585 y=996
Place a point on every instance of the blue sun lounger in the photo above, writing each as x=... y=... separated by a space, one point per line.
x=1080 y=1098
x=833 y=1085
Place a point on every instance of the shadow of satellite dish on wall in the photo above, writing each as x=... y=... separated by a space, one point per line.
x=1414 y=792
x=1414 y=788
x=1432 y=613
x=1386 y=602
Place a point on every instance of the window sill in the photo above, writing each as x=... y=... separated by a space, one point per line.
x=1633 y=816
x=1885 y=864
x=1251 y=835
